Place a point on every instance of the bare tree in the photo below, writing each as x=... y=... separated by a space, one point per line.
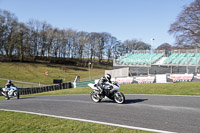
x=43 y=38
x=69 y=36
x=110 y=48
x=20 y=38
x=186 y=28
x=129 y=45
x=91 y=46
x=102 y=41
x=8 y=24
x=165 y=46
x=82 y=42
x=34 y=33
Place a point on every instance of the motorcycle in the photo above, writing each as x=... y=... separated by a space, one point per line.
x=11 y=92
x=110 y=91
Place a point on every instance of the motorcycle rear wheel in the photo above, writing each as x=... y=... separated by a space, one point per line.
x=95 y=97
x=119 y=97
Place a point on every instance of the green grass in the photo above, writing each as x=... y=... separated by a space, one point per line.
x=33 y=72
x=12 y=122
x=186 y=88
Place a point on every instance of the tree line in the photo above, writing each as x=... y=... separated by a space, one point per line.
x=40 y=39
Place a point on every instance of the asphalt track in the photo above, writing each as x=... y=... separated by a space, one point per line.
x=162 y=113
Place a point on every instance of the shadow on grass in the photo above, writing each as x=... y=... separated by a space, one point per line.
x=67 y=67
x=79 y=69
x=127 y=101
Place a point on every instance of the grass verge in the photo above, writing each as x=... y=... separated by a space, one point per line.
x=186 y=88
x=33 y=72
x=12 y=122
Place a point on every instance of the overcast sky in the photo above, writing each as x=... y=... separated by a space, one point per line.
x=124 y=19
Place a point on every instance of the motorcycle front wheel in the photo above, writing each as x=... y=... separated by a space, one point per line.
x=95 y=97
x=119 y=97
x=18 y=95
x=7 y=97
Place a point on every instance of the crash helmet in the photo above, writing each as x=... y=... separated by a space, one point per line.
x=9 y=81
x=108 y=76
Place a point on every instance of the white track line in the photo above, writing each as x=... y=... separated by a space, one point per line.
x=91 y=121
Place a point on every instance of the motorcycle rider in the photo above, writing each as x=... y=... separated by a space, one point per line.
x=9 y=84
x=102 y=81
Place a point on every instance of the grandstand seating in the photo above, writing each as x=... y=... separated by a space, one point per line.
x=151 y=58
x=147 y=62
x=140 y=59
x=183 y=59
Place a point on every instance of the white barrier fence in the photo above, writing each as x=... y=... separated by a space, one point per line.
x=159 y=78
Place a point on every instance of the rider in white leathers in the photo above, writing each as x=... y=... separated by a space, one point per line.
x=102 y=81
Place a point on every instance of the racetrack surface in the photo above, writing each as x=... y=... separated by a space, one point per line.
x=166 y=113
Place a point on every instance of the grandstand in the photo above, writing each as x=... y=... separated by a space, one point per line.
x=146 y=62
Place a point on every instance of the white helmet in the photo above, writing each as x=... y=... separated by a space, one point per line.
x=108 y=76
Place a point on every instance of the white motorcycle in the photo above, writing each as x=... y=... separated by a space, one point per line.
x=110 y=91
x=11 y=92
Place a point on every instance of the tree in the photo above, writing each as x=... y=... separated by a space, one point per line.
x=81 y=43
x=34 y=33
x=186 y=28
x=43 y=38
x=92 y=45
x=21 y=38
x=129 y=45
x=103 y=41
x=165 y=46
x=69 y=36
x=110 y=48
x=50 y=40
x=8 y=24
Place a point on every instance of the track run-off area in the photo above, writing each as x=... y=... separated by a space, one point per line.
x=156 y=113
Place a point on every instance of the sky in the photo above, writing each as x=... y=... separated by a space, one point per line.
x=124 y=19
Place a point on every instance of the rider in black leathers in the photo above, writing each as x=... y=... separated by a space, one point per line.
x=102 y=81
x=9 y=84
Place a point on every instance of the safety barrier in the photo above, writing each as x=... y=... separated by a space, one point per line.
x=27 y=91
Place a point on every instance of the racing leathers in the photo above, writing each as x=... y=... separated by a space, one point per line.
x=8 y=85
x=101 y=82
